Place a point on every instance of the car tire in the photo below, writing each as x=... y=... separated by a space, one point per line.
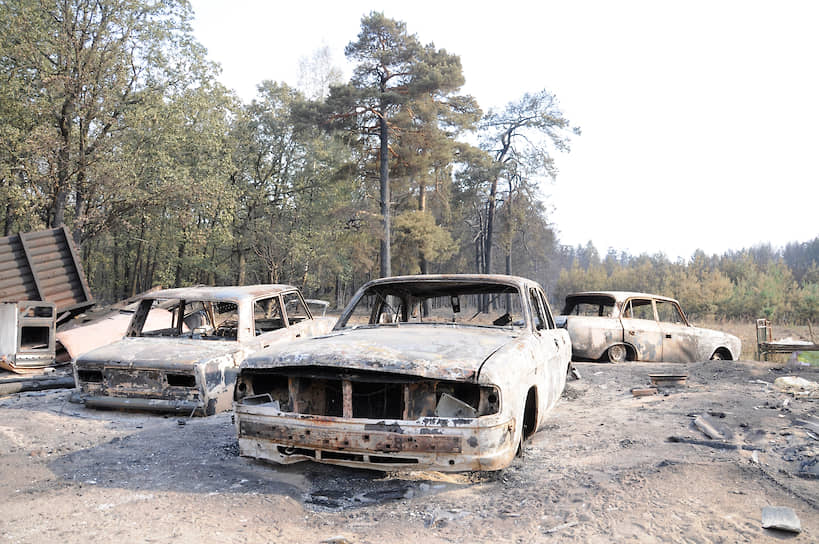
x=616 y=353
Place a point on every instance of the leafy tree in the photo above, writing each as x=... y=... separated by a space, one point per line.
x=520 y=139
x=420 y=241
x=87 y=64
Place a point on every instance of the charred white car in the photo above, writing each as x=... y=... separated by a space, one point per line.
x=183 y=347
x=445 y=372
x=622 y=326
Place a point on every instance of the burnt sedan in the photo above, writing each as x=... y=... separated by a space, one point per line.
x=619 y=326
x=182 y=348
x=445 y=372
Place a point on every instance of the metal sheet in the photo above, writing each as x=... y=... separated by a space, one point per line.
x=44 y=266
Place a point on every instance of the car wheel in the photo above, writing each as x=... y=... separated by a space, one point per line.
x=616 y=353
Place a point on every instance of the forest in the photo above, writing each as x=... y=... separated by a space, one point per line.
x=114 y=123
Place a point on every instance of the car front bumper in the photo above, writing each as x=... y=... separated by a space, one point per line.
x=445 y=444
x=186 y=407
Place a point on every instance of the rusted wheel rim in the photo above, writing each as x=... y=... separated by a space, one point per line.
x=617 y=354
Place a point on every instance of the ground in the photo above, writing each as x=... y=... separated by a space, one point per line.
x=602 y=470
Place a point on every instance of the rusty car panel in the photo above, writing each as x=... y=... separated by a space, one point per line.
x=620 y=325
x=183 y=347
x=450 y=372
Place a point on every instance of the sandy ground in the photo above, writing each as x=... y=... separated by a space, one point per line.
x=602 y=470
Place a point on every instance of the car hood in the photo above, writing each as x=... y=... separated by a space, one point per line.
x=158 y=353
x=442 y=352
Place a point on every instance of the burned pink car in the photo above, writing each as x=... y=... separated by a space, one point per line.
x=444 y=372
x=619 y=326
x=183 y=347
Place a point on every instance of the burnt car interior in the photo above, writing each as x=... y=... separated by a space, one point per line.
x=214 y=320
x=472 y=304
x=199 y=319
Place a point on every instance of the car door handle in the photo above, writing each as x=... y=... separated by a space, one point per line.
x=668 y=336
x=557 y=344
x=298 y=335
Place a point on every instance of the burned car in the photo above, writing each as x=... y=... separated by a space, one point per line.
x=182 y=348
x=622 y=326
x=444 y=372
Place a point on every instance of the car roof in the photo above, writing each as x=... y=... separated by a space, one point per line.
x=228 y=293
x=515 y=281
x=621 y=296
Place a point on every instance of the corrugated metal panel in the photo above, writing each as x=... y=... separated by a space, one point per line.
x=43 y=265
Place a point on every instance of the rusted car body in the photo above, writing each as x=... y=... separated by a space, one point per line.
x=619 y=326
x=444 y=372
x=187 y=361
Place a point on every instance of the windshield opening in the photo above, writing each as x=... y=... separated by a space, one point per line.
x=476 y=304
x=198 y=319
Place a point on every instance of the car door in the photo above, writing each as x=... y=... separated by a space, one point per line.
x=548 y=343
x=679 y=339
x=641 y=329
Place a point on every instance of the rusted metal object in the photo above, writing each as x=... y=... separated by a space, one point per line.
x=43 y=266
x=11 y=383
x=619 y=326
x=182 y=347
x=41 y=284
x=413 y=376
x=643 y=391
x=668 y=379
x=766 y=345
x=27 y=330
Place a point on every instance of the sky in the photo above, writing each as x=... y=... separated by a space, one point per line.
x=699 y=119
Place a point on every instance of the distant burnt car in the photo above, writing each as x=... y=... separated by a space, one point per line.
x=187 y=361
x=444 y=372
x=622 y=326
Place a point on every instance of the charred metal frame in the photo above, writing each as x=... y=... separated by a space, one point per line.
x=185 y=373
x=622 y=336
x=459 y=398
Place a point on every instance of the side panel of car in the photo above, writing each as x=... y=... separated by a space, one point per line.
x=592 y=336
x=641 y=330
x=680 y=343
x=555 y=352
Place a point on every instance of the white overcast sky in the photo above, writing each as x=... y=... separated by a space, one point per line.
x=700 y=119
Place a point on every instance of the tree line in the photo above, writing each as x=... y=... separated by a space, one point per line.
x=778 y=284
x=114 y=124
